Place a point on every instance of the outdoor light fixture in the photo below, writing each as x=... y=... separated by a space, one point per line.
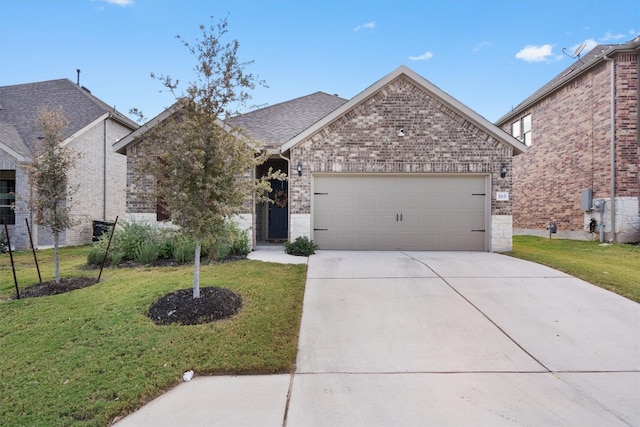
x=299 y=168
x=503 y=170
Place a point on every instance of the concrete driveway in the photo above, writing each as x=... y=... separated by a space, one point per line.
x=435 y=338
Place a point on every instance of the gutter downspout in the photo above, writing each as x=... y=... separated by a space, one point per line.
x=104 y=170
x=613 y=148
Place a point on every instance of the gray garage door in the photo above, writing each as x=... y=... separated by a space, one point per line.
x=372 y=212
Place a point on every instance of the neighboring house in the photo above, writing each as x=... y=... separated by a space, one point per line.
x=584 y=150
x=402 y=165
x=99 y=173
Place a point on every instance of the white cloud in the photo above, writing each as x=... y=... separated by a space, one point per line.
x=611 y=36
x=368 y=26
x=481 y=45
x=424 y=57
x=531 y=53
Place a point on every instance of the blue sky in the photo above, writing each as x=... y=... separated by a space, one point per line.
x=489 y=54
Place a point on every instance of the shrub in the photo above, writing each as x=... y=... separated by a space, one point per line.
x=184 y=250
x=240 y=244
x=147 y=252
x=132 y=236
x=96 y=255
x=302 y=246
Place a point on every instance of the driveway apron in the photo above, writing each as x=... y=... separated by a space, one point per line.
x=461 y=338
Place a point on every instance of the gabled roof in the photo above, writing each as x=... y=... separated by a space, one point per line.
x=19 y=106
x=278 y=123
x=272 y=125
x=433 y=90
x=579 y=67
x=121 y=145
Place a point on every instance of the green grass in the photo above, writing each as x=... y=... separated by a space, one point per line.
x=88 y=356
x=612 y=267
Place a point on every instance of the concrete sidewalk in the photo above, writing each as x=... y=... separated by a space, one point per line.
x=435 y=338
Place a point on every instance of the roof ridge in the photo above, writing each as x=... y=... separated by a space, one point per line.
x=290 y=101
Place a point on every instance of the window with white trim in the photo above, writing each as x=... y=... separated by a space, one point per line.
x=521 y=129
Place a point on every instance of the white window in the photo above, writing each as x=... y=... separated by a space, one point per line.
x=521 y=129
x=526 y=129
x=515 y=129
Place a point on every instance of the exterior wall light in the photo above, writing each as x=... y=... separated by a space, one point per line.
x=299 y=168
x=503 y=170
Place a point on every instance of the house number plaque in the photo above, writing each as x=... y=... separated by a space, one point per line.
x=502 y=196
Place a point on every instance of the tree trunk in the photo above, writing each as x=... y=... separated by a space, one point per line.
x=56 y=260
x=196 y=271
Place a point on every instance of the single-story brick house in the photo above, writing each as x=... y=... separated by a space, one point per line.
x=402 y=165
x=100 y=173
x=584 y=150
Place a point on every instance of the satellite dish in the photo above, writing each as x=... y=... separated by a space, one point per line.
x=576 y=53
x=579 y=49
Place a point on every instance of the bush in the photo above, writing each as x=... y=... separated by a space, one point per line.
x=240 y=245
x=96 y=255
x=145 y=244
x=184 y=250
x=302 y=246
x=147 y=252
x=130 y=239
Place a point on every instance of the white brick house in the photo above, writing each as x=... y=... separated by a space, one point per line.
x=401 y=166
x=100 y=173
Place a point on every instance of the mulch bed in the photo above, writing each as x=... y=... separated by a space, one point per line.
x=51 y=288
x=180 y=307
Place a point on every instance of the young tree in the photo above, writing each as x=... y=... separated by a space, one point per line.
x=203 y=168
x=51 y=193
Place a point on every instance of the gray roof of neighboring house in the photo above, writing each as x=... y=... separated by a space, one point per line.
x=277 y=124
x=19 y=106
x=593 y=57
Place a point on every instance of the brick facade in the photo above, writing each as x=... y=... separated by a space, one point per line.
x=570 y=151
x=364 y=140
x=100 y=196
x=441 y=136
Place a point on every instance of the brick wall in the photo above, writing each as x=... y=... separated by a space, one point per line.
x=94 y=148
x=437 y=140
x=570 y=151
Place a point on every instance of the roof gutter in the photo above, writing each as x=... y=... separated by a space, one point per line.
x=613 y=146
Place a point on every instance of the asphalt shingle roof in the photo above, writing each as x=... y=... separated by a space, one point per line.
x=19 y=106
x=581 y=64
x=277 y=124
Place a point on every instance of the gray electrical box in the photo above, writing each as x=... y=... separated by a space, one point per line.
x=586 y=199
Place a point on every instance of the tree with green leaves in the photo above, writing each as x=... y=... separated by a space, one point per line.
x=203 y=168
x=51 y=192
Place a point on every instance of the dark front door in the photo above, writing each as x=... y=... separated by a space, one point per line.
x=278 y=222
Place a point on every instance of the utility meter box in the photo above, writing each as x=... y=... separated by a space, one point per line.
x=586 y=199
x=598 y=205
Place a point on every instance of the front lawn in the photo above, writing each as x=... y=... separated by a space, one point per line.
x=91 y=355
x=613 y=267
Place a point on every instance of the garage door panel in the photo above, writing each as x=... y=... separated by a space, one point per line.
x=399 y=212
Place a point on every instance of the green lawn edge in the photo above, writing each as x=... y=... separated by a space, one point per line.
x=615 y=267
